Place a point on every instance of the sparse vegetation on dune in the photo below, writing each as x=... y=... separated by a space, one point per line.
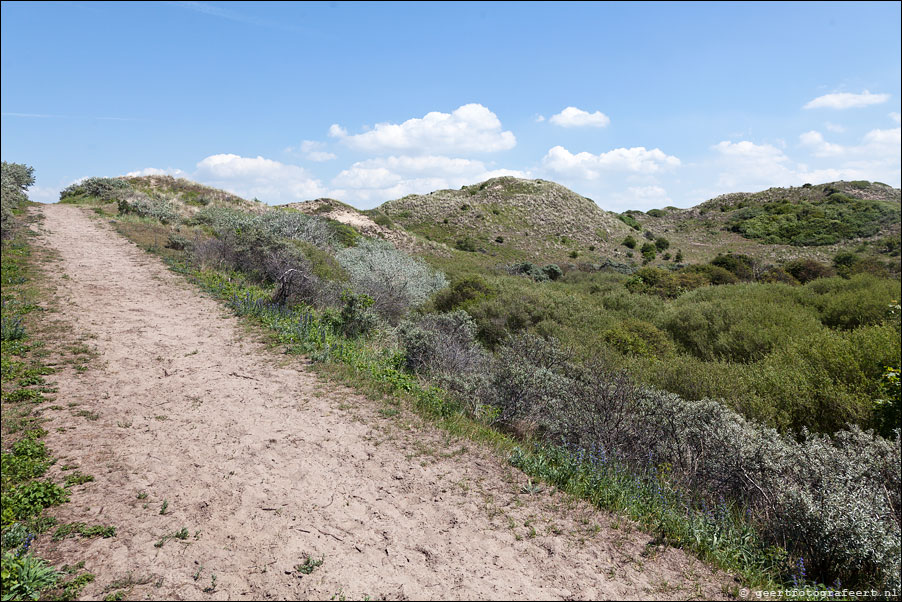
x=27 y=492
x=683 y=397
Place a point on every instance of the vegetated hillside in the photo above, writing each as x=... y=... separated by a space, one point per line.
x=509 y=218
x=677 y=390
x=362 y=222
x=781 y=224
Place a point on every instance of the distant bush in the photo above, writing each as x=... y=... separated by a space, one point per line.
x=383 y=220
x=465 y=244
x=860 y=300
x=713 y=274
x=461 y=292
x=742 y=324
x=265 y=228
x=838 y=217
x=806 y=270
x=539 y=274
x=661 y=243
x=656 y=212
x=649 y=251
x=637 y=337
x=396 y=281
x=102 y=188
x=137 y=203
x=777 y=275
x=629 y=242
x=629 y=221
x=655 y=281
x=741 y=266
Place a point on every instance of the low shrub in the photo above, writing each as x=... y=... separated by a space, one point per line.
x=806 y=270
x=461 y=292
x=102 y=188
x=441 y=344
x=137 y=203
x=395 y=281
x=637 y=337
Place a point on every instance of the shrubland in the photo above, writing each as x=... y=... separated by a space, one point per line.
x=746 y=410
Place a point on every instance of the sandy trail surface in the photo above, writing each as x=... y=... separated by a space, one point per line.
x=265 y=463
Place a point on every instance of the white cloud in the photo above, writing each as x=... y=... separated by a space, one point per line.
x=820 y=147
x=539 y=118
x=648 y=195
x=746 y=166
x=469 y=128
x=571 y=117
x=154 y=171
x=846 y=100
x=385 y=178
x=586 y=166
x=268 y=180
x=43 y=194
x=313 y=151
x=895 y=117
x=834 y=127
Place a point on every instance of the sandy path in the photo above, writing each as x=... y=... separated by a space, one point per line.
x=263 y=462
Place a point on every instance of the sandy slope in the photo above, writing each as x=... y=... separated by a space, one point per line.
x=263 y=462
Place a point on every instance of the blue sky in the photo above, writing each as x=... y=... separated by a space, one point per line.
x=633 y=105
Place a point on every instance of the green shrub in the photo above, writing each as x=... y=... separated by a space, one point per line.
x=629 y=221
x=465 y=244
x=343 y=234
x=740 y=323
x=461 y=292
x=860 y=300
x=101 y=188
x=888 y=407
x=552 y=271
x=441 y=344
x=713 y=274
x=649 y=251
x=655 y=281
x=838 y=217
x=640 y=338
x=629 y=242
x=355 y=318
x=661 y=243
x=741 y=266
x=806 y=270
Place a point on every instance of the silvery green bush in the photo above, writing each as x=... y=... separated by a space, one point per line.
x=832 y=500
x=15 y=178
x=104 y=188
x=140 y=204
x=441 y=344
x=268 y=226
x=395 y=281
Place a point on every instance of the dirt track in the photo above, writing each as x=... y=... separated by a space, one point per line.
x=263 y=462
